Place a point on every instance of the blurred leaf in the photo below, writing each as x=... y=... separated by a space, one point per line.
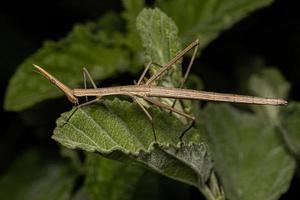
x=250 y=158
x=160 y=39
x=205 y=19
x=86 y=46
x=32 y=177
x=80 y=195
x=269 y=82
x=120 y=130
x=290 y=119
x=73 y=158
x=132 y=9
x=112 y=180
x=108 y=179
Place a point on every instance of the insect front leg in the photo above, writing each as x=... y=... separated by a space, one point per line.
x=86 y=75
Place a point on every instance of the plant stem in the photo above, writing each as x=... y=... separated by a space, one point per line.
x=212 y=191
x=206 y=192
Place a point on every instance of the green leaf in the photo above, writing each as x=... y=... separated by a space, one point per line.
x=205 y=19
x=108 y=179
x=32 y=177
x=132 y=9
x=160 y=39
x=249 y=155
x=112 y=180
x=290 y=118
x=194 y=166
x=86 y=46
x=269 y=82
x=120 y=130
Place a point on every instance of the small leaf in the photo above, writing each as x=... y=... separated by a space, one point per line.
x=269 y=82
x=31 y=177
x=205 y=19
x=250 y=158
x=290 y=119
x=160 y=39
x=85 y=46
x=161 y=42
x=120 y=130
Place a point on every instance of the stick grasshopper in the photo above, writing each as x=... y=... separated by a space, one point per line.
x=144 y=89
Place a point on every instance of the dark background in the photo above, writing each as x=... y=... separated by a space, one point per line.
x=272 y=33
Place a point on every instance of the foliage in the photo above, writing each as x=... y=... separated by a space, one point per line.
x=246 y=150
x=290 y=127
x=257 y=165
x=34 y=177
x=90 y=129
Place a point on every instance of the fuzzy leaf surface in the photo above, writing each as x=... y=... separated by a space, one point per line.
x=160 y=39
x=120 y=130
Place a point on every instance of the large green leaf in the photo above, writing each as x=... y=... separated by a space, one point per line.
x=290 y=128
x=86 y=46
x=120 y=130
x=249 y=155
x=32 y=177
x=205 y=19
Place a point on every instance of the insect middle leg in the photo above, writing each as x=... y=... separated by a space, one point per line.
x=194 y=45
x=167 y=66
x=187 y=72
